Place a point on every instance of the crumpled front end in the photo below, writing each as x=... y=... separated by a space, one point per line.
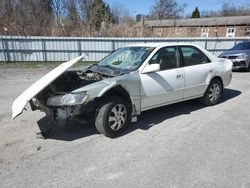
x=64 y=113
x=21 y=101
x=62 y=102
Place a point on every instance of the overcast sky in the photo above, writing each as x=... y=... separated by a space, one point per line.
x=143 y=6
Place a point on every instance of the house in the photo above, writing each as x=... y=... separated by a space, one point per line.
x=234 y=26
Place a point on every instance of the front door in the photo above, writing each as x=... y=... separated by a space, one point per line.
x=166 y=85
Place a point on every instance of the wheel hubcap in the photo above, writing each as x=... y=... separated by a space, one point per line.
x=117 y=117
x=214 y=92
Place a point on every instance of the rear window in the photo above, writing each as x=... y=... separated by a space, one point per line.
x=193 y=56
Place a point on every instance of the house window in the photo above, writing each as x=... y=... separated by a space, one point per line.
x=204 y=32
x=177 y=31
x=230 y=32
x=158 y=32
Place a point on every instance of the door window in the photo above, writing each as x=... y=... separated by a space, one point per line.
x=193 y=56
x=167 y=58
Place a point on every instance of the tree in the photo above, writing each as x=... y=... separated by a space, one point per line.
x=85 y=7
x=121 y=14
x=7 y=9
x=196 y=13
x=108 y=17
x=59 y=7
x=72 y=13
x=228 y=9
x=32 y=17
x=165 y=9
x=97 y=13
x=138 y=17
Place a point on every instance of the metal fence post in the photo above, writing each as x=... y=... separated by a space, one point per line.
x=79 y=47
x=4 y=55
x=44 y=51
x=113 y=45
x=235 y=42
x=6 y=50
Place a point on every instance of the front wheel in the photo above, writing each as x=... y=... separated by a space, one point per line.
x=112 y=116
x=213 y=93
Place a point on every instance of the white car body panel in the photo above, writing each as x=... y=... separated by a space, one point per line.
x=195 y=79
x=20 y=103
x=161 y=87
x=130 y=82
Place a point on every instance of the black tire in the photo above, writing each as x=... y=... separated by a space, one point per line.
x=213 y=93
x=109 y=124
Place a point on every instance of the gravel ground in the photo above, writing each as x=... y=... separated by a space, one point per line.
x=181 y=145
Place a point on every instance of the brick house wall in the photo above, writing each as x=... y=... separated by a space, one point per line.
x=221 y=31
x=237 y=26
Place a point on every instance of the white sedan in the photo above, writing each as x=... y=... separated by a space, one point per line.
x=128 y=81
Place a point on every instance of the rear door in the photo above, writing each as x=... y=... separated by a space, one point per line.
x=197 y=67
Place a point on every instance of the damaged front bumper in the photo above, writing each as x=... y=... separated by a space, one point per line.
x=239 y=64
x=61 y=114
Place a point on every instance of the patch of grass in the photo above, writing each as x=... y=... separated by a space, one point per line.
x=42 y=65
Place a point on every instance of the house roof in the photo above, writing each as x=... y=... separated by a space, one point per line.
x=216 y=21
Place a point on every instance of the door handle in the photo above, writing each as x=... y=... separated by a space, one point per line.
x=179 y=76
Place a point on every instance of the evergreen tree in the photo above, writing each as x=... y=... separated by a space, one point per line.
x=196 y=13
x=138 y=17
x=97 y=14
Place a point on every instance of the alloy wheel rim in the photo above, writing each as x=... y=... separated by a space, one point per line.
x=117 y=117
x=214 y=92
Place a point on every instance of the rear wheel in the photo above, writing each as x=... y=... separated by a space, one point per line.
x=213 y=93
x=112 y=116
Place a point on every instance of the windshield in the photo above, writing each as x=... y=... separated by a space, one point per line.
x=242 y=46
x=128 y=58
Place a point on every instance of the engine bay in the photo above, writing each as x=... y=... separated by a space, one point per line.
x=69 y=81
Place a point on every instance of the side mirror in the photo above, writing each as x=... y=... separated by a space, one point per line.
x=151 y=68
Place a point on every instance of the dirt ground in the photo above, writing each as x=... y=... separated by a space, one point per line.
x=181 y=145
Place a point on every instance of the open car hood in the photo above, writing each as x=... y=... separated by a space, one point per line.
x=21 y=101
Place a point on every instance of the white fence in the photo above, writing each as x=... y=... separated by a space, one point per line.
x=16 y=48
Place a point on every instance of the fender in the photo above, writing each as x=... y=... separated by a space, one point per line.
x=106 y=89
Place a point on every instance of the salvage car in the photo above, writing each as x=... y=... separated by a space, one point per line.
x=125 y=83
x=239 y=55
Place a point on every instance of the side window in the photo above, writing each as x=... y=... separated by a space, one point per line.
x=167 y=58
x=193 y=56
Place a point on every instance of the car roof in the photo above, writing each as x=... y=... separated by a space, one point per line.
x=166 y=44
x=160 y=44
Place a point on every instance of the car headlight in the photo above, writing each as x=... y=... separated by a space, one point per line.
x=67 y=99
x=242 y=56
